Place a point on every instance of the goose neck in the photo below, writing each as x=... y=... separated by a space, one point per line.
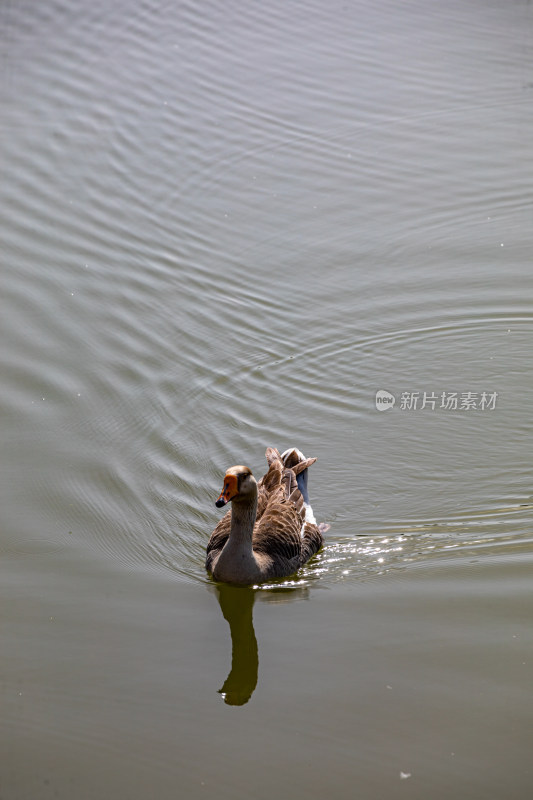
x=243 y=514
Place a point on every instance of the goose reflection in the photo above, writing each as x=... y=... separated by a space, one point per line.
x=237 y=605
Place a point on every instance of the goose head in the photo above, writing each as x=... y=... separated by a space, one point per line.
x=239 y=485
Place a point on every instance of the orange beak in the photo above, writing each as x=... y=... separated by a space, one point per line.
x=228 y=492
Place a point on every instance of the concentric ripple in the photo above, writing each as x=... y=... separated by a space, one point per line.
x=194 y=270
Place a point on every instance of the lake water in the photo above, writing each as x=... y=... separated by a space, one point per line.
x=226 y=226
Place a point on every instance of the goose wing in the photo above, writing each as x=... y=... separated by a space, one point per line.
x=217 y=540
x=278 y=532
x=283 y=532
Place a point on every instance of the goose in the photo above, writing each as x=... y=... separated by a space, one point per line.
x=270 y=531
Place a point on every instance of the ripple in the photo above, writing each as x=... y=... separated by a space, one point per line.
x=32 y=547
x=195 y=271
x=498 y=534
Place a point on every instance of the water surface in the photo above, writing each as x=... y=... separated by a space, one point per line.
x=227 y=227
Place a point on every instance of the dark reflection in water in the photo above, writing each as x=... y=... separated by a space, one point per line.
x=237 y=605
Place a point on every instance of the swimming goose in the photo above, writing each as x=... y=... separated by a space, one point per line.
x=270 y=531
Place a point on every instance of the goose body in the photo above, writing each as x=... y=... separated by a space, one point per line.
x=270 y=531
